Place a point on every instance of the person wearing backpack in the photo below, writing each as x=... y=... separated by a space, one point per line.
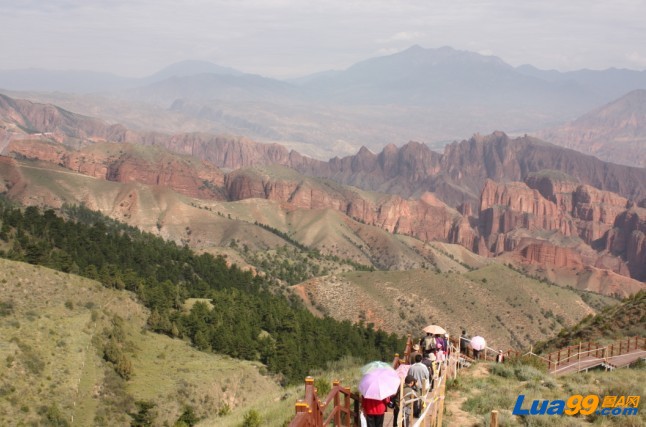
x=429 y=343
x=409 y=394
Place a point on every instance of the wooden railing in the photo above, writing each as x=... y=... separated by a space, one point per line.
x=487 y=354
x=405 y=359
x=342 y=407
x=567 y=355
x=311 y=412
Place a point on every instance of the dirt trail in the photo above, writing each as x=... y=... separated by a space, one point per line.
x=455 y=416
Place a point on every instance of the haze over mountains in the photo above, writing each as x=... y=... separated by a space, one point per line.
x=322 y=195
x=615 y=132
x=494 y=195
x=429 y=95
x=516 y=198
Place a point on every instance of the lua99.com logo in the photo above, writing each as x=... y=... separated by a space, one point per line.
x=580 y=405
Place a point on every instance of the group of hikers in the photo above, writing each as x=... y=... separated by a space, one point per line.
x=426 y=362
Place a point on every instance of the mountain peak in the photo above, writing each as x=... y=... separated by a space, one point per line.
x=192 y=67
x=363 y=151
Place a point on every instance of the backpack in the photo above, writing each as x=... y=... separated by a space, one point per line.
x=430 y=344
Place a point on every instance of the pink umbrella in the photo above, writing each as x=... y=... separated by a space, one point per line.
x=478 y=343
x=402 y=370
x=379 y=384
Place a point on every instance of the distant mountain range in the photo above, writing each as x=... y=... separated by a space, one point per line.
x=415 y=75
x=84 y=81
x=430 y=95
x=615 y=132
x=522 y=198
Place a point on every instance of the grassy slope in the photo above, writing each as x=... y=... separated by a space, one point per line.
x=504 y=306
x=48 y=356
x=470 y=395
x=626 y=319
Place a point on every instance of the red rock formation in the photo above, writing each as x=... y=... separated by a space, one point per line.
x=628 y=238
x=505 y=207
x=555 y=187
x=426 y=219
x=547 y=254
x=457 y=176
x=512 y=213
x=123 y=163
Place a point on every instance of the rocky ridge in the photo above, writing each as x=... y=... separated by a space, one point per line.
x=544 y=216
x=615 y=132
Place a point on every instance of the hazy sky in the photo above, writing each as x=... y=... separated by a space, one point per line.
x=288 y=38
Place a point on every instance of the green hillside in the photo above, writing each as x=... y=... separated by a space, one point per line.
x=56 y=330
x=626 y=319
x=249 y=320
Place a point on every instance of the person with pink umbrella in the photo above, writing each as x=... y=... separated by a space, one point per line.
x=477 y=345
x=376 y=387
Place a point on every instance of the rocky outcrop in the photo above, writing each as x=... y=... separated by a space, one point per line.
x=561 y=223
x=595 y=211
x=57 y=123
x=458 y=175
x=547 y=254
x=555 y=186
x=426 y=218
x=226 y=152
x=507 y=207
x=628 y=238
x=126 y=163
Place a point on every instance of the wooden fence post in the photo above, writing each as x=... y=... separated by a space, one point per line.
x=549 y=360
x=400 y=414
x=301 y=406
x=494 y=418
x=337 y=402
x=440 y=403
x=357 y=411
x=346 y=405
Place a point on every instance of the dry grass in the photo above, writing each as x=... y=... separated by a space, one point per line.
x=507 y=308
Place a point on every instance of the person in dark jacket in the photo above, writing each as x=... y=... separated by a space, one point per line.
x=464 y=341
